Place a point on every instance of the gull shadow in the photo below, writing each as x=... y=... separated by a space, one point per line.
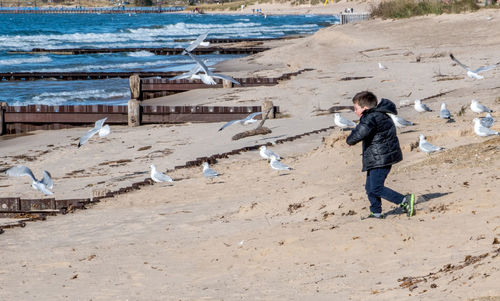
x=408 y=131
x=420 y=199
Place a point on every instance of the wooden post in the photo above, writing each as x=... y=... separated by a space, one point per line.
x=268 y=105
x=227 y=83
x=135 y=87
x=3 y=107
x=134 y=112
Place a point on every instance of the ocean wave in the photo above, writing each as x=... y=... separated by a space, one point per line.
x=140 y=54
x=84 y=96
x=25 y=60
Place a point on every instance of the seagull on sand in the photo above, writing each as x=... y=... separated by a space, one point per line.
x=267 y=154
x=342 y=122
x=245 y=121
x=278 y=165
x=482 y=131
x=208 y=77
x=158 y=176
x=444 y=112
x=208 y=172
x=399 y=121
x=476 y=107
x=473 y=73
x=382 y=67
x=196 y=43
x=43 y=185
x=420 y=107
x=487 y=121
x=99 y=127
x=426 y=147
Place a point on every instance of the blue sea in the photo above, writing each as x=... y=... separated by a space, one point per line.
x=53 y=31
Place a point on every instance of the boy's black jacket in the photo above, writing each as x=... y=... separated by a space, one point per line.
x=378 y=133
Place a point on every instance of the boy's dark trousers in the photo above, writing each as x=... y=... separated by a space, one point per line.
x=376 y=190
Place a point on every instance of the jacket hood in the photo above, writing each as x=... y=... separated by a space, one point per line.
x=384 y=106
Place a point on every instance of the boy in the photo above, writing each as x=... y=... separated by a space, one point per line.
x=380 y=151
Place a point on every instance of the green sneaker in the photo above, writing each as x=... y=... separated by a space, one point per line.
x=408 y=204
x=374 y=215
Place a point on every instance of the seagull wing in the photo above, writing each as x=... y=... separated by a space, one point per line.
x=188 y=74
x=403 y=121
x=195 y=43
x=271 y=154
x=207 y=79
x=87 y=136
x=163 y=177
x=458 y=62
x=251 y=116
x=209 y=173
x=278 y=165
x=19 y=171
x=226 y=77
x=484 y=68
x=200 y=62
x=100 y=123
x=228 y=124
x=444 y=113
x=346 y=121
x=47 y=180
x=40 y=186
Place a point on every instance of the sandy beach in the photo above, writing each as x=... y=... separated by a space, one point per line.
x=255 y=234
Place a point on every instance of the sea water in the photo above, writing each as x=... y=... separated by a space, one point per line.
x=23 y=32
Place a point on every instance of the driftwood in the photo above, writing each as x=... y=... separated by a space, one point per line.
x=259 y=130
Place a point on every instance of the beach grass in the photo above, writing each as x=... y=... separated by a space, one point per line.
x=397 y=9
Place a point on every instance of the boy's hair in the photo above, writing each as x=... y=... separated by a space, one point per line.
x=365 y=99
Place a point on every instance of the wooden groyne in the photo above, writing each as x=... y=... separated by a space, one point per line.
x=91 y=10
x=152 y=88
x=157 y=51
x=29 y=76
x=22 y=119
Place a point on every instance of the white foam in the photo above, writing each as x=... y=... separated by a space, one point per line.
x=140 y=54
x=59 y=98
x=17 y=61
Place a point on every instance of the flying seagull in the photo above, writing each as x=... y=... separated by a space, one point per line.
x=158 y=176
x=43 y=185
x=196 y=43
x=192 y=74
x=207 y=78
x=99 y=126
x=245 y=121
x=473 y=73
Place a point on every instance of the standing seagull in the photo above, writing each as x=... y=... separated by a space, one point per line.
x=476 y=107
x=482 y=131
x=196 y=43
x=473 y=73
x=444 y=112
x=342 y=122
x=208 y=172
x=277 y=165
x=426 y=147
x=43 y=185
x=158 y=176
x=207 y=78
x=487 y=121
x=245 y=121
x=420 y=107
x=267 y=153
x=399 y=121
x=382 y=67
x=98 y=127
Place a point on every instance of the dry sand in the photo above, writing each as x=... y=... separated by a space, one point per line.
x=257 y=235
